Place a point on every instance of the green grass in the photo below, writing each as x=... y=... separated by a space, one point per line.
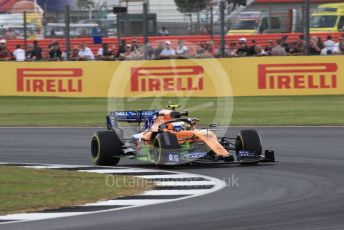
x=23 y=189
x=287 y=110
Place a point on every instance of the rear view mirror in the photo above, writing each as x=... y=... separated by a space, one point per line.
x=185 y=114
x=175 y=114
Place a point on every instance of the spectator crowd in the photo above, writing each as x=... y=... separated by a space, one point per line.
x=166 y=50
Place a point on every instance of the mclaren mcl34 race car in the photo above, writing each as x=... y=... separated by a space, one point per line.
x=168 y=137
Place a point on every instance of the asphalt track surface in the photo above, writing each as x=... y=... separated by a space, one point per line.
x=304 y=190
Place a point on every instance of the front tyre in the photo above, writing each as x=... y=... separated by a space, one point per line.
x=249 y=142
x=106 y=148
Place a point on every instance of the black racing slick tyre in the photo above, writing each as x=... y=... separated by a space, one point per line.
x=249 y=140
x=165 y=144
x=106 y=148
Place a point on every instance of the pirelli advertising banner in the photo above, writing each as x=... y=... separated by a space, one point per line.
x=261 y=76
x=288 y=76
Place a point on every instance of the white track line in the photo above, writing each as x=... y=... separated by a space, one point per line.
x=128 y=202
x=172 y=176
x=131 y=202
x=38 y=216
x=184 y=183
x=174 y=192
x=127 y=170
x=47 y=167
x=43 y=166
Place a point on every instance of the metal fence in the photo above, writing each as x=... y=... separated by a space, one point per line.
x=47 y=18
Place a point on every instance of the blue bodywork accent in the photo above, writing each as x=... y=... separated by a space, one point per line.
x=246 y=155
x=148 y=116
x=109 y=123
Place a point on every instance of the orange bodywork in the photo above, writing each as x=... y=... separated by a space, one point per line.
x=194 y=134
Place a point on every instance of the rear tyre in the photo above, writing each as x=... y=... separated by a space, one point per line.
x=106 y=148
x=164 y=144
x=249 y=140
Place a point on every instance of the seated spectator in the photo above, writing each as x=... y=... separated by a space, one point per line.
x=192 y=52
x=168 y=51
x=36 y=52
x=74 y=56
x=127 y=53
x=294 y=49
x=337 y=44
x=121 y=48
x=134 y=45
x=5 y=55
x=243 y=49
x=252 y=49
x=329 y=45
x=341 y=48
x=181 y=49
x=285 y=43
x=130 y=54
x=218 y=52
x=203 y=53
x=64 y=55
x=202 y=45
x=300 y=44
x=158 y=50
x=279 y=50
x=210 y=47
x=163 y=31
x=19 y=54
x=259 y=51
x=316 y=46
x=269 y=47
x=85 y=53
x=326 y=51
x=232 y=50
x=150 y=51
x=105 y=53
x=52 y=44
x=55 y=53
x=138 y=54
x=29 y=52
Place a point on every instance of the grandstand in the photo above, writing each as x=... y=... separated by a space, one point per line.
x=191 y=41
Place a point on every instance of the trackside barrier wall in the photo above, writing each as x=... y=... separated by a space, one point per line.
x=262 y=76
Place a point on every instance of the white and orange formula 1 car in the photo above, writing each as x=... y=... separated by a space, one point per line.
x=170 y=138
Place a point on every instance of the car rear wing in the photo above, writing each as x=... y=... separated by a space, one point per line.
x=130 y=117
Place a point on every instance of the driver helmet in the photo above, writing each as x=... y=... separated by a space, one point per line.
x=178 y=126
